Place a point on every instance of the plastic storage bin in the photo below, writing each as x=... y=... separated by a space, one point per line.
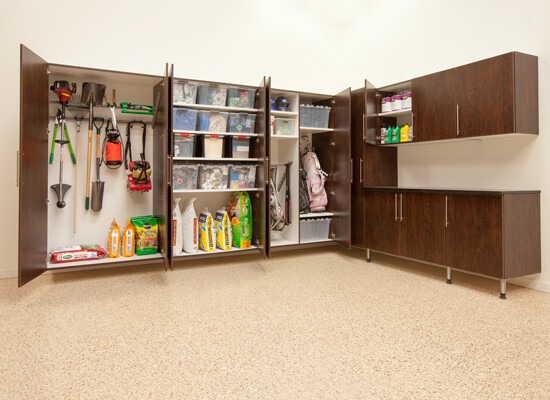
x=212 y=121
x=184 y=176
x=213 y=177
x=242 y=176
x=284 y=127
x=184 y=144
x=240 y=147
x=185 y=93
x=320 y=116
x=241 y=122
x=211 y=95
x=185 y=120
x=306 y=115
x=243 y=98
x=313 y=229
x=213 y=146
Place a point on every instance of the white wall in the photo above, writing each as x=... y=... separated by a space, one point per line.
x=319 y=46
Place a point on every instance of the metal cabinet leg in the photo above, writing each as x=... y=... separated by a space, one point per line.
x=503 y=289
x=449 y=277
x=368 y=255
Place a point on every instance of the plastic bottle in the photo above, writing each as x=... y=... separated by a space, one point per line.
x=114 y=240
x=177 y=228
x=128 y=240
x=404 y=137
x=190 y=227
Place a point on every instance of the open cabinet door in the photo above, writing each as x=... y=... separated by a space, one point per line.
x=33 y=166
x=260 y=198
x=342 y=168
x=161 y=176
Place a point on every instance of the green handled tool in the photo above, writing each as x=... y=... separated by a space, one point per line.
x=53 y=140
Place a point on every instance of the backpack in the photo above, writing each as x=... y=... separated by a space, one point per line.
x=304 y=196
x=315 y=179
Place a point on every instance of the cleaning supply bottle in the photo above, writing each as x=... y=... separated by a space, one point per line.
x=177 y=228
x=114 y=240
x=128 y=240
x=190 y=226
x=404 y=133
x=397 y=134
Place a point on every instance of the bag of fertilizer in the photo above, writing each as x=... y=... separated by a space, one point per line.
x=223 y=230
x=207 y=232
x=146 y=228
x=239 y=210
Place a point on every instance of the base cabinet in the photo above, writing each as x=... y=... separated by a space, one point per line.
x=492 y=233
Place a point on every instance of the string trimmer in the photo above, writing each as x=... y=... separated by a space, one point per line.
x=64 y=90
x=139 y=176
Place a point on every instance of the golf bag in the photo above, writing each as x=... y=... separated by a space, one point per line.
x=315 y=179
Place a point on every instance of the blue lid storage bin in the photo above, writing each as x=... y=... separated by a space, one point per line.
x=211 y=95
x=243 y=98
x=184 y=144
x=241 y=122
x=212 y=121
x=185 y=120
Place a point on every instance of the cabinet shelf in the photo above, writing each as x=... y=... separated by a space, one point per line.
x=317 y=215
x=306 y=129
x=217 y=190
x=216 y=108
x=217 y=133
x=284 y=114
x=198 y=159
x=284 y=137
x=202 y=253
x=106 y=260
x=403 y=111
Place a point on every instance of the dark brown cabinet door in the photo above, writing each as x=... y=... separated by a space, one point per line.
x=422 y=226
x=162 y=198
x=260 y=199
x=485 y=96
x=434 y=106
x=33 y=176
x=474 y=233
x=381 y=221
x=357 y=191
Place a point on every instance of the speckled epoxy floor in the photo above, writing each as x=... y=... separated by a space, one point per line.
x=319 y=324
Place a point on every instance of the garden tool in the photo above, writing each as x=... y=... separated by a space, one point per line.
x=92 y=95
x=98 y=186
x=78 y=120
x=60 y=188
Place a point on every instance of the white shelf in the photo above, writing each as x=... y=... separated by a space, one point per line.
x=403 y=111
x=217 y=190
x=307 y=129
x=217 y=133
x=217 y=251
x=316 y=241
x=208 y=107
x=284 y=114
x=317 y=215
x=282 y=242
x=105 y=260
x=284 y=137
x=198 y=159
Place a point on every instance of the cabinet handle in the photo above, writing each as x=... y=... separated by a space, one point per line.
x=351 y=170
x=457 y=120
x=169 y=169
x=266 y=172
x=446 y=211
x=364 y=134
x=18 y=167
x=401 y=206
x=360 y=170
x=396 y=207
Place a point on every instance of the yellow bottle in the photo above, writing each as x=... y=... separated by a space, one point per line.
x=404 y=133
x=114 y=240
x=128 y=240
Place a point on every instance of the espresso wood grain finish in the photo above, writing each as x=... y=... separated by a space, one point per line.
x=33 y=171
x=381 y=221
x=357 y=192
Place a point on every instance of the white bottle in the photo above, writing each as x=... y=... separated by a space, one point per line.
x=177 y=228
x=190 y=227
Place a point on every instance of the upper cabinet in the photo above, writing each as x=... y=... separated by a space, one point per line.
x=495 y=96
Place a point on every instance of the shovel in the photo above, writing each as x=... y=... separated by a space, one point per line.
x=92 y=95
x=97 y=186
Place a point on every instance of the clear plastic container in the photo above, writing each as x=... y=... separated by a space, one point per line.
x=213 y=177
x=184 y=176
x=185 y=119
x=240 y=147
x=320 y=117
x=306 y=115
x=212 y=121
x=185 y=93
x=241 y=122
x=213 y=146
x=242 y=176
x=284 y=127
x=211 y=95
x=313 y=229
x=184 y=144
x=243 y=98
